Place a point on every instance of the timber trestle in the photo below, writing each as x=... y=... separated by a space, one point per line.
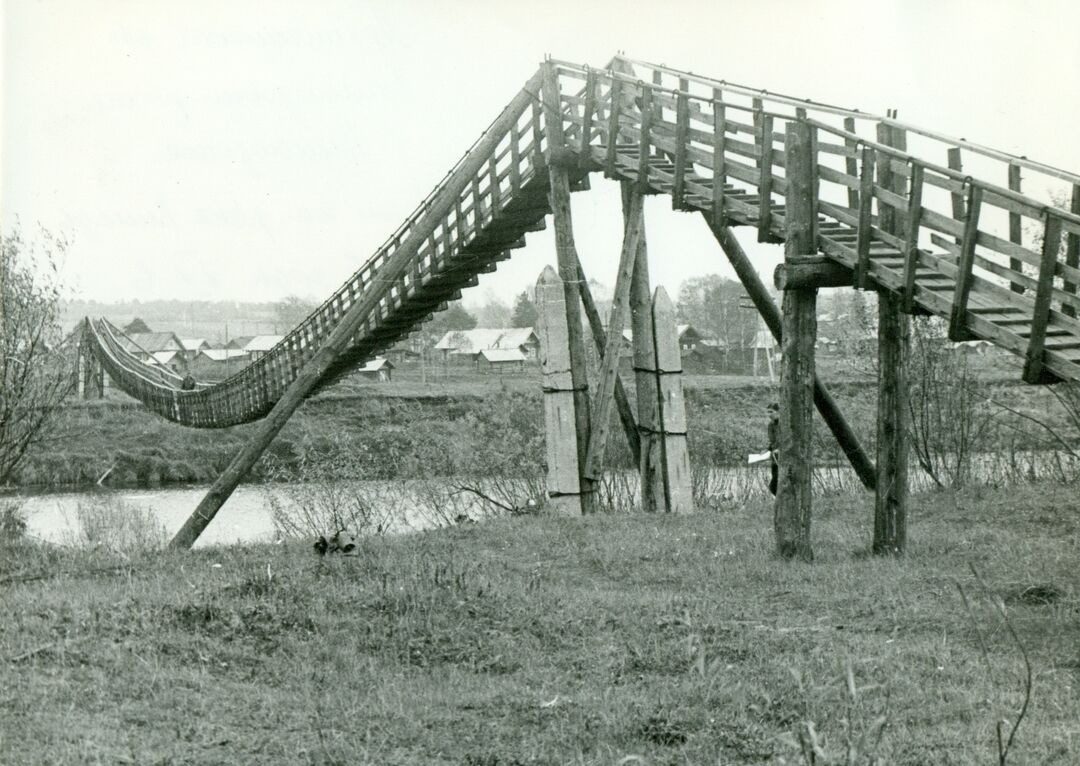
x=933 y=222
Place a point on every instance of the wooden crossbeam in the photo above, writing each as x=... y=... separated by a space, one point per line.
x=609 y=369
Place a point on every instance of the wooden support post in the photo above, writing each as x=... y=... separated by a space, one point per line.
x=719 y=168
x=911 y=240
x=958 y=330
x=682 y=145
x=560 y=430
x=864 y=233
x=1016 y=230
x=644 y=139
x=770 y=313
x=765 y=178
x=795 y=453
x=1072 y=252
x=653 y=497
x=1034 y=370
x=959 y=212
x=670 y=407
x=610 y=170
x=609 y=366
x=566 y=254
x=588 y=117
x=851 y=164
x=890 y=502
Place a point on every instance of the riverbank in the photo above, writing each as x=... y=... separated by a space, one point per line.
x=536 y=640
x=406 y=430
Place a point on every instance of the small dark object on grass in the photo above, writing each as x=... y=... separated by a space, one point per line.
x=343 y=542
x=1043 y=594
x=321 y=546
x=462 y=518
x=661 y=731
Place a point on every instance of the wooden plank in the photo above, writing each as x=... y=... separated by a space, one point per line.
x=911 y=242
x=957 y=197
x=671 y=407
x=719 y=173
x=682 y=119
x=588 y=115
x=1034 y=368
x=890 y=500
x=765 y=180
x=1016 y=231
x=1072 y=251
x=958 y=329
x=644 y=148
x=610 y=169
x=811 y=272
x=865 y=224
x=603 y=397
x=515 y=161
x=851 y=162
x=560 y=433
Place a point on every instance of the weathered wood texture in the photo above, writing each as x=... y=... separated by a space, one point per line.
x=560 y=429
x=567 y=257
x=890 y=504
x=560 y=158
x=670 y=407
x=894 y=328
x=604 y=396
x=811 y=271
x=795 y=455
x=650 y=463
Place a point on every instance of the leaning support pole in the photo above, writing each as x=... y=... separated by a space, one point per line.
x=560 y=432
x=342 y=335
x=650 y=463
x=890 y=506
x=826 y=405
x=796 y=457
x=670 y=413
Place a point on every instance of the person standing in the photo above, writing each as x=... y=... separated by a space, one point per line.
x=774 y=445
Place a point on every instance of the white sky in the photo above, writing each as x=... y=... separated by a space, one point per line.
x=250 y=150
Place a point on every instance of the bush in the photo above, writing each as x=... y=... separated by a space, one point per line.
x=118 y=526
x=12 y=522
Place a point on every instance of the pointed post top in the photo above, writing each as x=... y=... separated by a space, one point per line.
x=548 y=277
x=661 y=301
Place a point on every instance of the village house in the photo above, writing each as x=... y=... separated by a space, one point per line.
x=160 y=348
x=464 y=345
x=379 y=369
x=255 y=345
x=500 y=361
x=218 y=363
x=192 y=347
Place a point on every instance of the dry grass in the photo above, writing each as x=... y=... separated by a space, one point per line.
x=534 y=640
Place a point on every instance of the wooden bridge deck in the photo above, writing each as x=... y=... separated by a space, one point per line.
x=899 y=220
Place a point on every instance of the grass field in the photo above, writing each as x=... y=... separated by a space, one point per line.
x=613 y=639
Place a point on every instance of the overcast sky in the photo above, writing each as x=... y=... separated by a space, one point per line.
x=252 y=150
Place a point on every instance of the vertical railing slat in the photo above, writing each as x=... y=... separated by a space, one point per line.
x=958 y=330
x=864 y=232
x=1034 y=366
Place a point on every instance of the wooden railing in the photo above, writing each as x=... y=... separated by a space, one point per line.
x=882 y=189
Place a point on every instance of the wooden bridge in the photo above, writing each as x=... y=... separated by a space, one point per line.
x=932 y=223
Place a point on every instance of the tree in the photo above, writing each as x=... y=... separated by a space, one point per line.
x=711 y=304
x=494 y=313
x=37 y=370
x=291 y=311
x=525 y=314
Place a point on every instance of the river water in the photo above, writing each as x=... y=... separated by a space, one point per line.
x=391 y=507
